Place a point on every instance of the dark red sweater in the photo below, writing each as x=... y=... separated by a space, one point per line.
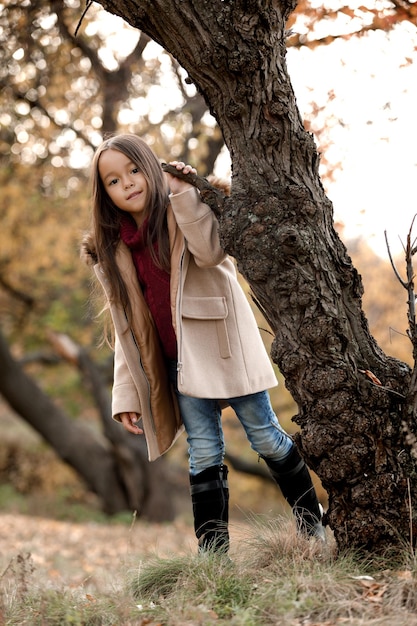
x=154 y=282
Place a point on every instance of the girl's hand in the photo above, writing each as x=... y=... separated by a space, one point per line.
x=175 y=184
x=129 y=422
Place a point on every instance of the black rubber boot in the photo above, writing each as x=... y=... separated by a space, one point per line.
x=294 y=480
x=210 y=498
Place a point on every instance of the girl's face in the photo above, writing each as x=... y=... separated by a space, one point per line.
x=124 y=183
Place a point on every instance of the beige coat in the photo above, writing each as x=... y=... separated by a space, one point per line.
x=220 y=352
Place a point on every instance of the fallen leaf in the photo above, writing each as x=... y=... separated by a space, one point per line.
x=90 y=598
x=404 y=574
x=372 y=376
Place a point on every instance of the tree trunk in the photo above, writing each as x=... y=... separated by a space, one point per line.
x=119 y=474
x=278 y=224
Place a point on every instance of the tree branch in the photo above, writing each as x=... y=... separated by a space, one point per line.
x=396 y=272
x=210 y=194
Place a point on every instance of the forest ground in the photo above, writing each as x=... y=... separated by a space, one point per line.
x=89 y=555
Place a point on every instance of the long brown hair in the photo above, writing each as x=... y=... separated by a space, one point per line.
x=106 y=217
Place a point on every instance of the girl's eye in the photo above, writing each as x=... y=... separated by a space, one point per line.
x=135 y=170
x=113 y=182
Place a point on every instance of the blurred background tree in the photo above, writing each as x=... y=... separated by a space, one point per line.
x=64 y=86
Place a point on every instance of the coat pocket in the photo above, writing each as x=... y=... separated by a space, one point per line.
x=206 y=313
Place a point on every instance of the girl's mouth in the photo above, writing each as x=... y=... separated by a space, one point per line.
x=133 y=195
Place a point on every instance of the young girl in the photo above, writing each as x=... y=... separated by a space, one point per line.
x=186 y=340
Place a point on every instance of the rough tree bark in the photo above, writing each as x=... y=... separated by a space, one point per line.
x=278 y=224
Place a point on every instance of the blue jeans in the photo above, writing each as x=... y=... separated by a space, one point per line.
x=202 y=421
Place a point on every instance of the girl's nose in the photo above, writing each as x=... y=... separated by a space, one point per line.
x=128 y=184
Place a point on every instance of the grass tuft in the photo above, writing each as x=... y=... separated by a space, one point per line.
x=157 y=578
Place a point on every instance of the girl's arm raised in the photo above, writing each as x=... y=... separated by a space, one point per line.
x=196 y=219
x=199 y=226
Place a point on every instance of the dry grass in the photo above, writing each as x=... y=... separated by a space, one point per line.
x=272 y=578
x=276 y=578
